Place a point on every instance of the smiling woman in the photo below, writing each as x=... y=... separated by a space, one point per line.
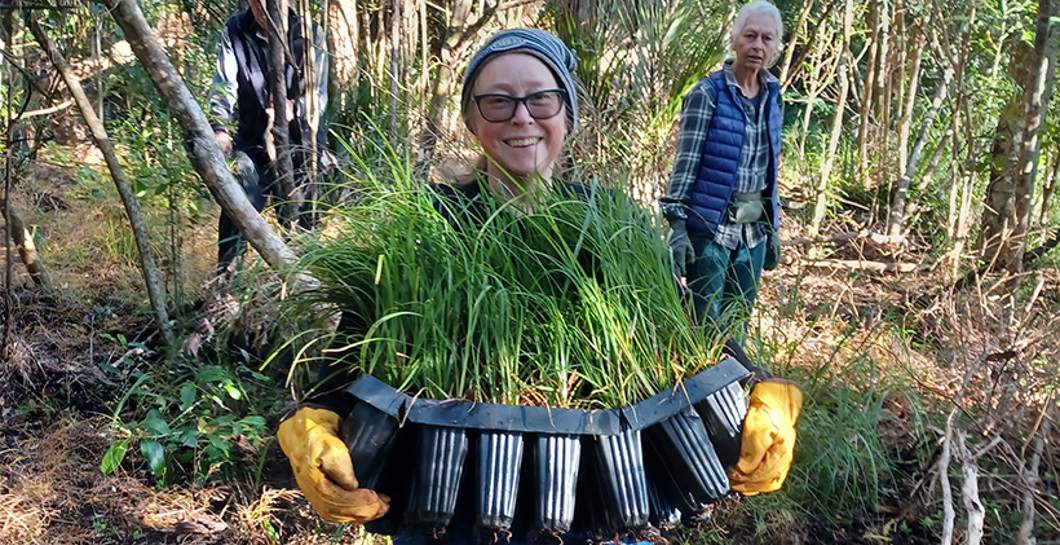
x=515 y=89
x=525 y=293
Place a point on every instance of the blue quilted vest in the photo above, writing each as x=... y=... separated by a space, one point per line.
x=721 y=156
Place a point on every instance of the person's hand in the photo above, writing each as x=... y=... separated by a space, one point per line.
x=225 y=141
x=322 y=467
x=680 y=246
x=768 y=438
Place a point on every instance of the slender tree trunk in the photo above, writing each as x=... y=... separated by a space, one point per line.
x=27 y=250
x=307 y=202
x=1033 y=120
x=951 y=216
x=793 y=40
x=894 y=223
x=1048 y=188
x=843 y=70
x=865 y=112
x=916 y=45
x=816 y=82
x=155 y=287
x=999 y=211
x=206 y=156
x=936 y=157
x=280 y=151
x=343 y=40
x=1052 y=42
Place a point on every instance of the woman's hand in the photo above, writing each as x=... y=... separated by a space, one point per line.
x=680 y=246
x=768 y=438
x=322 y=467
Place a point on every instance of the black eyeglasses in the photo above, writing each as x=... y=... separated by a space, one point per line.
x=499 y=108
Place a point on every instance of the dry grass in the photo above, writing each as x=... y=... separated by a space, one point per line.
x=83 y=226
x=52 y=492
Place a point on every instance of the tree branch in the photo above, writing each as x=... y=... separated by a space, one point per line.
x=155 y=288
x=206 y=156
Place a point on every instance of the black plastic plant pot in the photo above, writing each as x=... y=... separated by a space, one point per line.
x=436 y=483
x=500 y=459
x=723 y=413
x=557 y=459
x=620 y=465
x=664 y=514
x=686 y=458
x=370 y=435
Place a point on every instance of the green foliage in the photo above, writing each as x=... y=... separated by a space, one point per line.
x=636 y=62
x=542 y=298
x=182 y=419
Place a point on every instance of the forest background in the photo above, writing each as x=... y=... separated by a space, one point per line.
x=916 y=303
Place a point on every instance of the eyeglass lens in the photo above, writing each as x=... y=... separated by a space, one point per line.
x=497 y=108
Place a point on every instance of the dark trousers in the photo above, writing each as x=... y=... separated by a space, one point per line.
x=258 y=180
x=726 y=279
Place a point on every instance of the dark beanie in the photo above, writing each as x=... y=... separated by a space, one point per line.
x=546 y=47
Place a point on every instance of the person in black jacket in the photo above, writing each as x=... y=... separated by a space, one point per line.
x=240 y=91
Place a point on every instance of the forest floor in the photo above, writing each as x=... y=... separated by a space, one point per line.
x=58 y=402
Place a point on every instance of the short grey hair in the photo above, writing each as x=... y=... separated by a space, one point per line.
x=763 y=7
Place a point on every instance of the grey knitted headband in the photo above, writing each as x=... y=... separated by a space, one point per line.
x=553 y=52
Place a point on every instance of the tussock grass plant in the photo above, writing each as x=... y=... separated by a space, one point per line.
x=567 y=300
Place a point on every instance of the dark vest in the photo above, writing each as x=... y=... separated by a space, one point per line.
x=253 y=85
x=721 y=156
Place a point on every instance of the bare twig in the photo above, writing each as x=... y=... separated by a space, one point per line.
x=948 y=515
x=874 y=266
x=1030 y=483
x=838 y=237
x=970 y=491
x=26 y=248
x=45 y=111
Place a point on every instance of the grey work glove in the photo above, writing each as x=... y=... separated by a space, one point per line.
x=680 y=246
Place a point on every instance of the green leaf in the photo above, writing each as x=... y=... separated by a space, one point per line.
x=270 y=531
x=187 y=396
x=155 y=455
x=113 y=457
x=154 y=423
x=188 y=437
x=254 y=422
x=233 y=392
x=211 y=373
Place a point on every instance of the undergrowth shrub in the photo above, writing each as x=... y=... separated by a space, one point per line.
x=187 y=418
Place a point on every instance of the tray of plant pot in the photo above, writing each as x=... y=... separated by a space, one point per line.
x=509 y=361
x=648 y=460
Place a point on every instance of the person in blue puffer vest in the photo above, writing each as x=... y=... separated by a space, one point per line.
x=722 y=203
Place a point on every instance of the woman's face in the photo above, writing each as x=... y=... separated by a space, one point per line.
x=522 y=145
x=756 y=44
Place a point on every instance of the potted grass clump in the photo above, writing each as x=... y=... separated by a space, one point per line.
x=564 y=302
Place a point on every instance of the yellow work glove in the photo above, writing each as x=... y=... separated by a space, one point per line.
x=322 y=467
x=768 y=438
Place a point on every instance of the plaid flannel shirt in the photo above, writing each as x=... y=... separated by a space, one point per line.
x=696 y=113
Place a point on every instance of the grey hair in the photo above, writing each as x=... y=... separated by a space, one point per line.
x=763 y=7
